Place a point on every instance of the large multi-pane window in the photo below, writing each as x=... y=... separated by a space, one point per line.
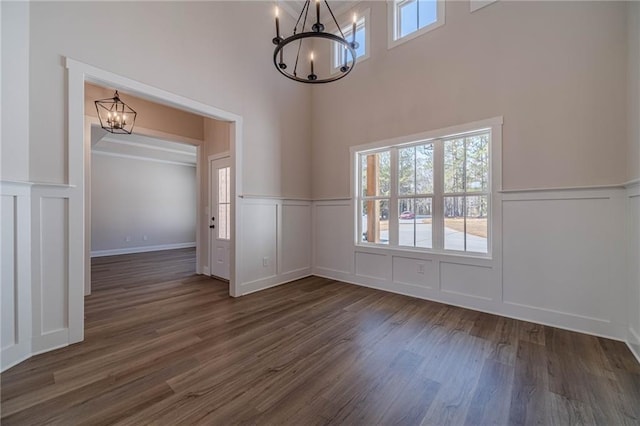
x=432 y=194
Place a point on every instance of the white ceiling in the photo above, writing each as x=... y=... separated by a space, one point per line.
x=293 y=7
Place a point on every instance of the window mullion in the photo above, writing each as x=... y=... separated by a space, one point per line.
x=437 y=213
x=393 y=201
x=464 y=188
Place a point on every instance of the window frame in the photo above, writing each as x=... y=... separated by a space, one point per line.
x=363 y=15
x=493 y=126
x=393 y=20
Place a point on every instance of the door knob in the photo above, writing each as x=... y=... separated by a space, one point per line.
x=213 y=218
x=212 y=226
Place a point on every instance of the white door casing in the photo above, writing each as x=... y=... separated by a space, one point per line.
x=220 y=216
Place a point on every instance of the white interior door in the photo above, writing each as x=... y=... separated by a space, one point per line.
x=220 y=218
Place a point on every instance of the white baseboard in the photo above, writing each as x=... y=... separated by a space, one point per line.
x=559 y=320
x=274 y=280
x=205 y=270
x=143 y=249
x=14 y=355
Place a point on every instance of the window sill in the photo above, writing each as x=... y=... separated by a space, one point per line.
x=422 y=31
x=359 y=60
x=422 y=253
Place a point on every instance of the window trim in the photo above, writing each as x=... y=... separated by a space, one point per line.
x=494 y=125
x=365 y=16
x=393 y=38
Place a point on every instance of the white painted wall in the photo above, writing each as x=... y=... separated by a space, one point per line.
x=134 y=198
x=184 y=48
x=15 y=85
x=555 y=70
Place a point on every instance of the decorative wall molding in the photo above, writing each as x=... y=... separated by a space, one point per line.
x=632 y=183
x=276 y=245
x=141 y=158
x=565 y=188
x=141 y=249
x=562 y=265
x=16 y=273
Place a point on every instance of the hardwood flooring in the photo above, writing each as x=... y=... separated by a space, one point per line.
x=166 y=346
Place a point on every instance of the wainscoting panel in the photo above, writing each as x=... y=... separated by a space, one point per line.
x=333 y=248
x=260 y=229
x=376 y=266
x=466 y=280
x=9 y=279
x=16 y=274
x=414 y=272
x=296 y=237
x=558 y=259
x=564 y=255
x=275 y=246
x=54 y=268
x=57 y=267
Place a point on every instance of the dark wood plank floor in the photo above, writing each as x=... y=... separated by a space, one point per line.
x=166 y=346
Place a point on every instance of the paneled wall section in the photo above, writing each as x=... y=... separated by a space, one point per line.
x=16 y=274
x=559 y=259
x=275 y=242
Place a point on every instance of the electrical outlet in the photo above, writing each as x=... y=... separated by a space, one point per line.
x=421 y=268
x=127 y=238
x=145 y=237
x=265 y=261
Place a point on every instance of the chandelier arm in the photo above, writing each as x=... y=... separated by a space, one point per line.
x=334 y=18
x=305 y=7
x=304 y=24
x=295 y=67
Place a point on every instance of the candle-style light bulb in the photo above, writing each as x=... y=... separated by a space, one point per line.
x=355 y=19
x=277 y=23
x=311 y=62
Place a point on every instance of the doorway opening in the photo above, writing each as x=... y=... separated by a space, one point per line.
x=145 y=190
x=79 y=75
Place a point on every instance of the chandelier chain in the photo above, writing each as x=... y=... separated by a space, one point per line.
x=334 y=19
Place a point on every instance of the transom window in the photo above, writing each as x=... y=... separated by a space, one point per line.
x=340 y=55
x=411 y=18
x=433 y=194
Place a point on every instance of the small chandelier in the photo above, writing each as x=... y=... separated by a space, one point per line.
x=115 y=116
x=302 y=34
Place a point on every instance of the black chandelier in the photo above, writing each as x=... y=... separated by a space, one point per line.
x=301 y=34
x=115 y=116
